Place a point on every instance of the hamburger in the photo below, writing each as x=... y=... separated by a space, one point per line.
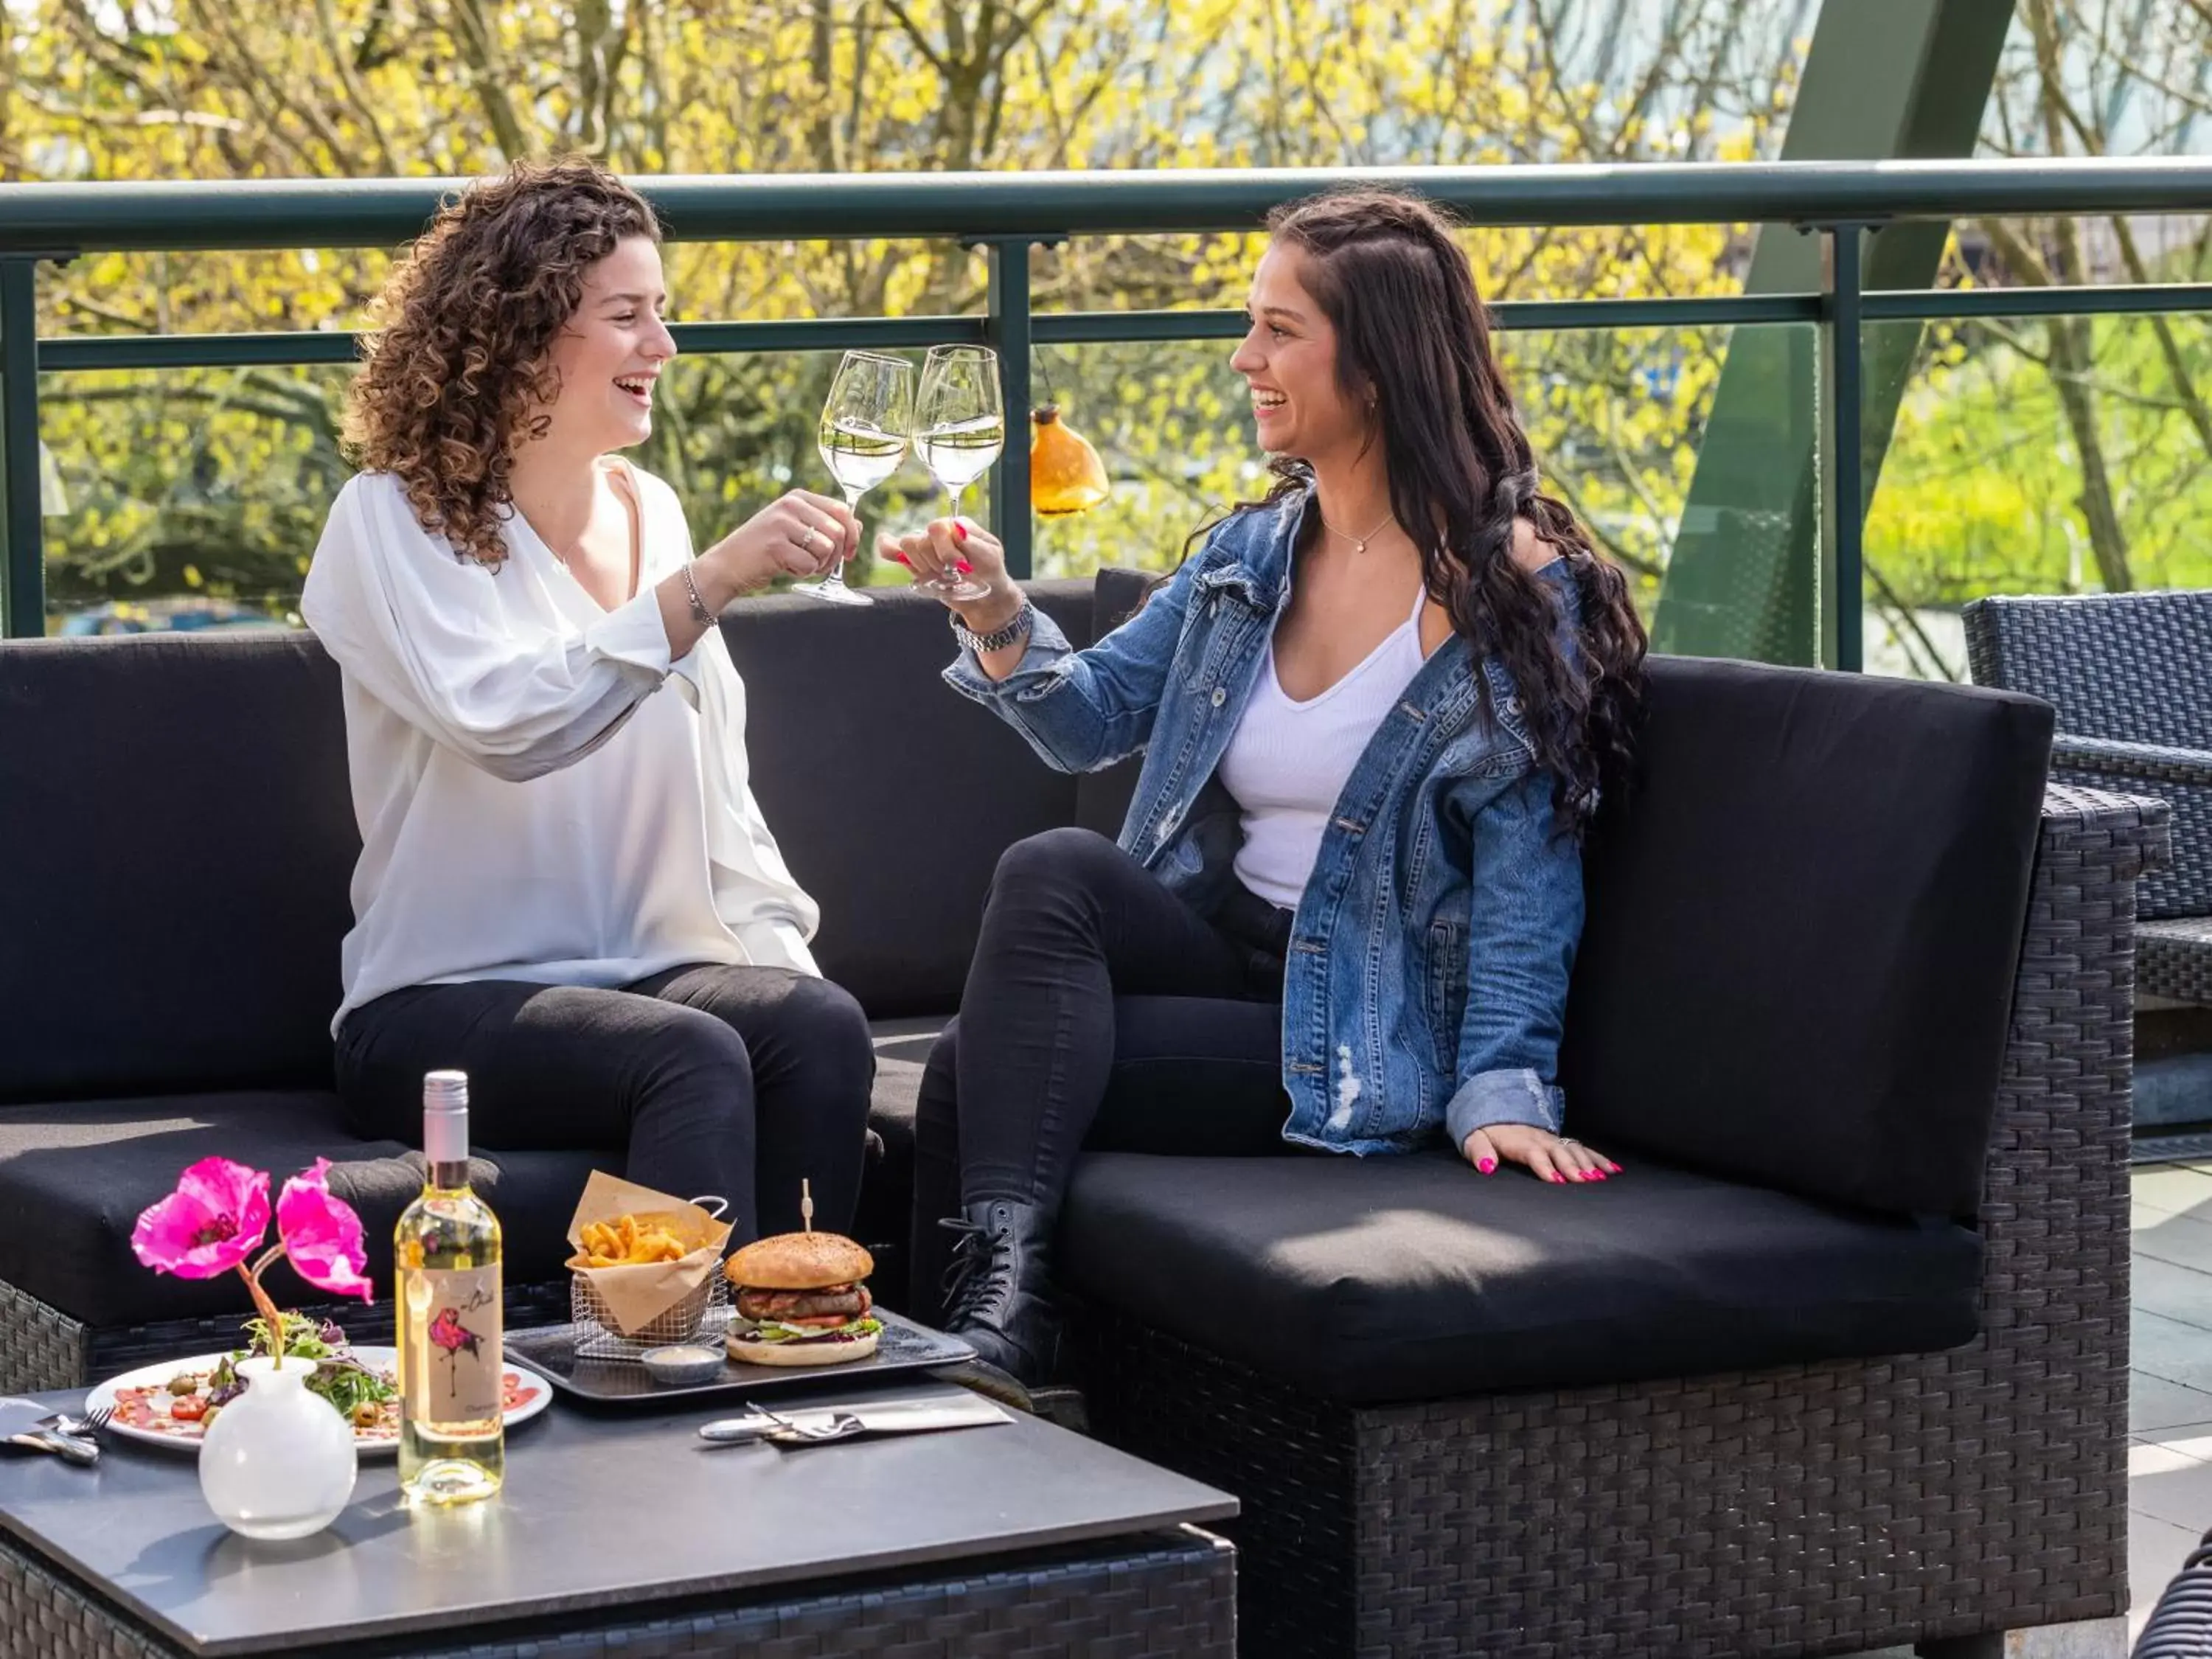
x=801 y=1301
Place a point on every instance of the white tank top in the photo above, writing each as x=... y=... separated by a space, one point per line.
x=1287 y=762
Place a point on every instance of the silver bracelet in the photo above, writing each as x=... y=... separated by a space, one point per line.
x=700 y=614
x=998 y=639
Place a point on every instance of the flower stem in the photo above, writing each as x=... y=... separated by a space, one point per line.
x=271 y=1319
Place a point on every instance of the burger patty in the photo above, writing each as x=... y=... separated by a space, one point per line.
x=838 y=1302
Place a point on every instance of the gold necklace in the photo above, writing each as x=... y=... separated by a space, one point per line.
x=1359 y=543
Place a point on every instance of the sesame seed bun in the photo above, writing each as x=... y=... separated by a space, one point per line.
x=798 y=1261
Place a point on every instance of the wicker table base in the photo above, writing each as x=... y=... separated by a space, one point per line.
x=1171 y=1594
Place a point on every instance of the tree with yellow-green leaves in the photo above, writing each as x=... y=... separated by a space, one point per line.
x=216 y=481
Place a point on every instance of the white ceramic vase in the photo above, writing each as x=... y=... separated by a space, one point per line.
x=277 y=1461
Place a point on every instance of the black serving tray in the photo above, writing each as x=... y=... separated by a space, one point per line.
x=551 y=1352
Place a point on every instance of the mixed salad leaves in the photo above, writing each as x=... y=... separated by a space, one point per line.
x=357 y=1393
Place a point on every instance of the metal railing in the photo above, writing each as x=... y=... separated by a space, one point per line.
x=1007 y=215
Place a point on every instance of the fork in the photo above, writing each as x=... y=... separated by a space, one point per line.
x=840 y=1424
x=82 y=1427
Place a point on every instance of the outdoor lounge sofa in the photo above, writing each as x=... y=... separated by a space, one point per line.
x=1839 y=1362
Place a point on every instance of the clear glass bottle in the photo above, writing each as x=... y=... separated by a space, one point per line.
x=446 y=1288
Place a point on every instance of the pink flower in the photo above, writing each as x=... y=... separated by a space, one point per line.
x=322 y=1235
x=216 y=1218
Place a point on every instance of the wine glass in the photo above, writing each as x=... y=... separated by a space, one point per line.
x=865 y=422
x=959 y=430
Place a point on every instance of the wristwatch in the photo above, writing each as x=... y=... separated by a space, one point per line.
x=999 y=638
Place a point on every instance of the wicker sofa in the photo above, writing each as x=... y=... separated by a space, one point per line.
x=1841 y=1363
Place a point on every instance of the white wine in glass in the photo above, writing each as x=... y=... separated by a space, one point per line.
x=865 y=422
x=960 y=429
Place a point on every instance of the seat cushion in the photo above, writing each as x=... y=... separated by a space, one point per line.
x=1399 y=1279
x=73 y=1181
x=1803 y=923
x=886 y=1211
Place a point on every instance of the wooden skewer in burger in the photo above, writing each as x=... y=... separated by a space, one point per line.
x=801 y=1298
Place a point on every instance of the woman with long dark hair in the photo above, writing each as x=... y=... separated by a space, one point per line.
x=1377 y=711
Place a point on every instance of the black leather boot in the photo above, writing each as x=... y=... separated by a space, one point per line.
x=997 y=1290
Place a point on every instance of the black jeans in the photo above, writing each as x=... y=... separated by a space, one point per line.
x=737 y=1081
x=1102 y=1011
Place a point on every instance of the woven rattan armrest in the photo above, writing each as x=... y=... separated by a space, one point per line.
x=2146 y=762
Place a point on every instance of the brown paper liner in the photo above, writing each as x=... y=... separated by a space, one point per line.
x=632 y=1297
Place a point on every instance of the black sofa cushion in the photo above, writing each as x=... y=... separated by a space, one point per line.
x=73 y=1179
x=1803 y=927
x=863 y=761
x=178 y=838
x=1398 y=1279
x=884 y=1217
x=178 y=833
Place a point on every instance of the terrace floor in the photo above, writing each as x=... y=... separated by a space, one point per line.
x=2170 y=1404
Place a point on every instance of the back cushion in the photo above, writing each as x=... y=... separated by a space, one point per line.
x=892 y=795
x=1803 y=924
x=1102 y=798
x=176 y=839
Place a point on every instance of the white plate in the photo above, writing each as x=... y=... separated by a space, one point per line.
x=537 y=1393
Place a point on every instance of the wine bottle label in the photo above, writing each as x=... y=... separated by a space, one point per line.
x=453 y=1369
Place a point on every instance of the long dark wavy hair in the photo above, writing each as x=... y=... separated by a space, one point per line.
x=1388 y=272
x=457 y=375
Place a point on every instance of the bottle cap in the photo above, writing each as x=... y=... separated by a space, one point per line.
x=446 y=1117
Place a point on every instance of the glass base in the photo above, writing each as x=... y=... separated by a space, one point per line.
x=452 y=1480
x=955 y=588
x=837 y=592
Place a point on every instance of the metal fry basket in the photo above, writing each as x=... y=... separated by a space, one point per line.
x=704 y=1314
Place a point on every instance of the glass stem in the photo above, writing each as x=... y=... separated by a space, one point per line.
x=951 y=579
x=836 y=576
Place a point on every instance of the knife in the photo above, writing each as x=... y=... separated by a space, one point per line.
x=873 y=1419
x=82 y=1453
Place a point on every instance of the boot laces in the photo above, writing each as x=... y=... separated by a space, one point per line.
x=979 y=1282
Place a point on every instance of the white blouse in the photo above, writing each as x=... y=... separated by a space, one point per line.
x=530 y=808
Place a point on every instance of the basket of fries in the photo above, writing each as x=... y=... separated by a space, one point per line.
x=645 y=1269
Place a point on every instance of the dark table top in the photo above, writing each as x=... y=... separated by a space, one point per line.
x=601 y=1508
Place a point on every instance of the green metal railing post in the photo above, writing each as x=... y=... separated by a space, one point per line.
x=22 y=544
x=1007 y=325
x=1843 y=481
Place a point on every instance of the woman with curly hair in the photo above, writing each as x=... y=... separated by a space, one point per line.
x=565 y=888
x=1375 y=711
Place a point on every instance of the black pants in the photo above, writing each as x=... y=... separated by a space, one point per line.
x=1101 y=1010
x=737 y=1081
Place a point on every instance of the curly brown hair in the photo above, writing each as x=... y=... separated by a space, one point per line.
x=456 y=374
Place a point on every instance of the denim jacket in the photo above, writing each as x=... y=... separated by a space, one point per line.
x=1427 y=970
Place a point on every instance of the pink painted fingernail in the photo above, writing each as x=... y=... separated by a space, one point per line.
x=901 y=557
x=1554 y=1176
x=963 y=566
x=1487 y=1165
x=959 y=531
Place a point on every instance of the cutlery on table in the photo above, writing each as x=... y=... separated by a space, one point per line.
x=83 y=1453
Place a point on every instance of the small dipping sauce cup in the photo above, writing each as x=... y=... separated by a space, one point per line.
x=683 y=1362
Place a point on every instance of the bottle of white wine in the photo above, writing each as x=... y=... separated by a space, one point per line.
x=452 y=1438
